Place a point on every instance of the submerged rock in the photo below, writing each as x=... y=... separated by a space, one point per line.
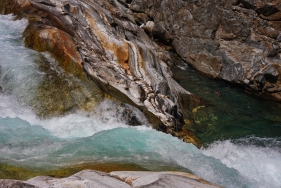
x=102 y=38
x=59 y=93
x=122 y=179
x=234 y=40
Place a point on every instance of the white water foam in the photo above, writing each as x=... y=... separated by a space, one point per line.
x=259 y=163
x=17 y=67
x=107 y=115
x=11 y=27
x=19 y=77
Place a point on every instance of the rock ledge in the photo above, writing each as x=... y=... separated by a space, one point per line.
x=118 y=179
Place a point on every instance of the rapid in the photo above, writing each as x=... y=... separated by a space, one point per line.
x=31 y=139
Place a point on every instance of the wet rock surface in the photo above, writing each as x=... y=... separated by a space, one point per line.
x=237 y=40
x=104 y=39
x=122 y=179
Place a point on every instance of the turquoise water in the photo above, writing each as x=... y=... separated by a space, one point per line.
x=29 y=141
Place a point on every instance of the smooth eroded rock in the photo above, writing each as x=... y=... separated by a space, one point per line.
x=83 y=179
x=140 y=179
x=118 y=179
x=104 y=39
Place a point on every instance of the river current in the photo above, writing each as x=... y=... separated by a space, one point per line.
x=230 y=157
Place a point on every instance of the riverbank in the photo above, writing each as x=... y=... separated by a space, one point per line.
x=117 y=179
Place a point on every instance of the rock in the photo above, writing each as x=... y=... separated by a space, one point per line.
x=44 y=38
x=85 y=178
x=15 y=184
x=161 y=179
x=141 y=18
x=230 y=40
x=103 y=39
x=148 y=27
x=122 y=179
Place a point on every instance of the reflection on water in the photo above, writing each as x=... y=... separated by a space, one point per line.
x=232 y=112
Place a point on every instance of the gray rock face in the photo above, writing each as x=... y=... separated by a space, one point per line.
x=114 y=51
x=235 y=40
x=122 y=179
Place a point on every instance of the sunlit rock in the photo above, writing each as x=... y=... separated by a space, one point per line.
x=57 y=42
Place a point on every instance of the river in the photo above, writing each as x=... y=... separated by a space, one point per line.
x=44 y=127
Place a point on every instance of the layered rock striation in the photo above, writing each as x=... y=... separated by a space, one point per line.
x=235 y=40
x=104 y=39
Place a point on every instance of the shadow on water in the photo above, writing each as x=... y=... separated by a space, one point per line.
x=232 y=113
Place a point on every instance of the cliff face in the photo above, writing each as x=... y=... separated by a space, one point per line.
x=103 y=38
x=234 y=40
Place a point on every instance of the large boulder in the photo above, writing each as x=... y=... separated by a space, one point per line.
x=235 y=40
x=102 y=38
